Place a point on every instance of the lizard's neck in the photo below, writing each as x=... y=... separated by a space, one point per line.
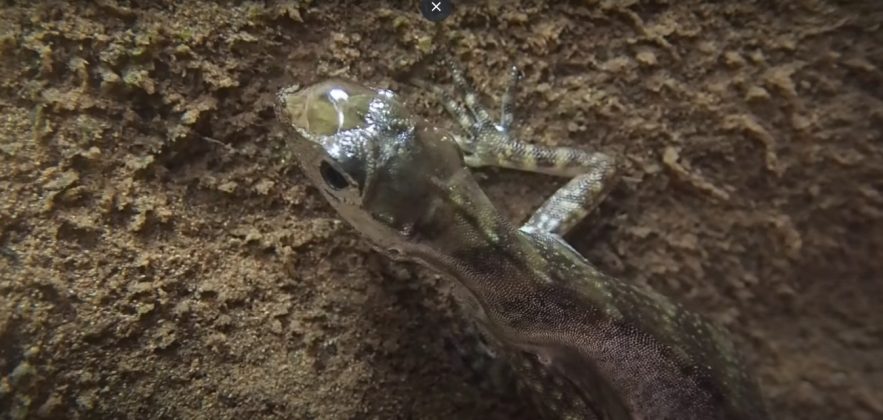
x=464 y=235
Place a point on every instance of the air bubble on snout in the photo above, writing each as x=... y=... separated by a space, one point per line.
x=544 y=359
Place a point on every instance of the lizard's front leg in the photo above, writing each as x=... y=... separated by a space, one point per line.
x=489 y=144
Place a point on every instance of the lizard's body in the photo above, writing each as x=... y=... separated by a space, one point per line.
x=588 y=345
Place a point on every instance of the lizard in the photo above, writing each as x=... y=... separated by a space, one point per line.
x=585 y=344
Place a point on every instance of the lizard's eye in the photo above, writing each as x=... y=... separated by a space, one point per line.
x=332 y=176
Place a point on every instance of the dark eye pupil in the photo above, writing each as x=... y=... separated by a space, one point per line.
x=332 y=177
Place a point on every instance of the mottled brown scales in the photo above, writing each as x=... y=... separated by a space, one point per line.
x=586 y=345
x=555 y=395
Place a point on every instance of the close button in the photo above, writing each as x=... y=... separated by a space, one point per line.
x=436 y=10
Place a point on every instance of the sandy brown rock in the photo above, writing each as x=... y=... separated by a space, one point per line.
x=160 y=257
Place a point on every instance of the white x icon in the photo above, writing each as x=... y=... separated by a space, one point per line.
x=436 y=7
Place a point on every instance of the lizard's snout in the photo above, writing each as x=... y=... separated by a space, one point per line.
x=326 y=108
x=291 y=104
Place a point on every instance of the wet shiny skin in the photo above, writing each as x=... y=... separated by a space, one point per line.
x=588 y=345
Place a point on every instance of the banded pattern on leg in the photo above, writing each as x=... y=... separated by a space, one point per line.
x=572 y=202
x=489 y=144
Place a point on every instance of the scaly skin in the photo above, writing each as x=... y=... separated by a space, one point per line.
x=589 y=346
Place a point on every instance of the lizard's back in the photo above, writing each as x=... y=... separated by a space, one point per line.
x=591 y=346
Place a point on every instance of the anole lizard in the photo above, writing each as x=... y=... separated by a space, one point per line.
x=588 y=345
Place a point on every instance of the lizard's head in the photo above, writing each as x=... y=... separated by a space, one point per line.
x=379 y=167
